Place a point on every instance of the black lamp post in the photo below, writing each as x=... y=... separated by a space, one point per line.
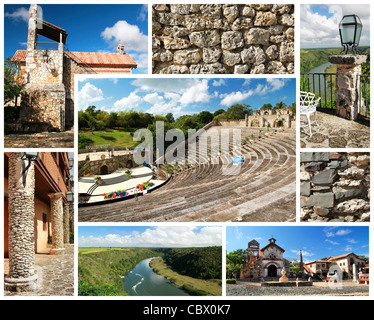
x=45 y=56
x=350 y=28
x=30 y=156
x=70 y=196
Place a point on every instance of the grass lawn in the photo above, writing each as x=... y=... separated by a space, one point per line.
x=95 y=250
x=111 y=137
x=210 y=287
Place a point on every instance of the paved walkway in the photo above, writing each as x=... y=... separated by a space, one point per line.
x=55 y=274
x=318 y=289
x=40 y=140
x=334 y=132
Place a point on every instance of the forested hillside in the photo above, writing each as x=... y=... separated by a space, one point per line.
x=201 y=263
x=99 y=269
x=311 y=58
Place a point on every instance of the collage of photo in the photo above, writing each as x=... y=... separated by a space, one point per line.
x=186 y=151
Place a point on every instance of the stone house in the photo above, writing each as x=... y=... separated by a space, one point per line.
x=48 y=103
x=349 y=263
x=267 y=262
x=37 y=215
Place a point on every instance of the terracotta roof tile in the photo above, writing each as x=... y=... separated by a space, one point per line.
x=105 y=59
x=93 y=59
x=19 y=55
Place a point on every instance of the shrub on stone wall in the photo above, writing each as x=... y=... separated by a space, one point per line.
x=223 y=38
x=335 y=186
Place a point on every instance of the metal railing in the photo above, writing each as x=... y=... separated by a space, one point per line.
x=323 y=85
x=364 y=95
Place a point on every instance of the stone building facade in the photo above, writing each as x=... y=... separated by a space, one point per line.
x=48 y=101
x=37 y=215
x=349 y=263
x=264 y=263
x=274 y=118
x=335 y=186
x=223 y=38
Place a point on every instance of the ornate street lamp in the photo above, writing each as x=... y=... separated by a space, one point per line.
x=70 y=196
x=30 y=156
x=71 y=162
x=350 y=28
x=45 y=56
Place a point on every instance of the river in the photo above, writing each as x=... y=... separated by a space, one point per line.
x=318 y=84
x=143 y=281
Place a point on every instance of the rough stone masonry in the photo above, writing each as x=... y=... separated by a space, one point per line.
x=223 y=38
x=335 y=186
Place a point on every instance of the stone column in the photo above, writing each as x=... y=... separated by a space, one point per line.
x=57 y=212
x=22 y=275
x=348 y=84
x=66 y=222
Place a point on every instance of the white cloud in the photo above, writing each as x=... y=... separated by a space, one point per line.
x=181 y=236
x=88 y=95
x=129 y=35
x=21 y=14
x=218 y=83
x=128 y=103
x=196 y=93
x=319 y=30
x=304 y=253
x=143 y=14
x=235 y=97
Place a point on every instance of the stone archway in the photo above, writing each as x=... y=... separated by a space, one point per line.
x=104 y=170
x=255 y=123
x=272 y=271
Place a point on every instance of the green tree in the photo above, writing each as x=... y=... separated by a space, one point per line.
x=218 y=112
x=204 y=117
x=238 y=111
x=169 y=117
x=13 y=80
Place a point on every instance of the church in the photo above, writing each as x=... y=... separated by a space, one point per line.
x=265 y=263
x=48 y=73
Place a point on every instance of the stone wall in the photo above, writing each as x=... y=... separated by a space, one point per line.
x=42 y=108
x=219 y=38
x=127 y=161
x=335 y=186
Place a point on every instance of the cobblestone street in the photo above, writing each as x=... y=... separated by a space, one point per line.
x=318 y=288
x=55 y=274
x=334 y=132
x=40 y=140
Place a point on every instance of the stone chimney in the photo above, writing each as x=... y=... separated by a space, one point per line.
x=120 y=49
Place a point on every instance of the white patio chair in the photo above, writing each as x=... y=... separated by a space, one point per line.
x=308 y=106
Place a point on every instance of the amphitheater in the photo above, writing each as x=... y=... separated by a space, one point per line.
x=261 y=189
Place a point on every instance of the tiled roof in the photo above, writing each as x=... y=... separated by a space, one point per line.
x=20 y=55
x=93 y=59
x=339 y=257
x=105 y=59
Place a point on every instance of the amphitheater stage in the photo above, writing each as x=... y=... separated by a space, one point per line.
x=260 y=189
x=116 y=181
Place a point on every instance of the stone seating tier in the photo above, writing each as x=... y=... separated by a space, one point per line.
x=264 y=189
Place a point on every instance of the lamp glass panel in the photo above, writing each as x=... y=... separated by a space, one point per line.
x=358 y=34
x=348 y=33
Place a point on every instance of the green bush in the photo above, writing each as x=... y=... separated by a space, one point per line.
x=231 y=281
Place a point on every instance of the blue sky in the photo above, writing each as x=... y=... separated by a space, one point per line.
x=315 y=242
x=145 y=236
x=182 y=96
x=90 y=28
x=319 y=24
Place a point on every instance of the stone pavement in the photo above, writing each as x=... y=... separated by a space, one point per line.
x=318 y=289
x=40 y=140
x=55 y=274
x=334 y=132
